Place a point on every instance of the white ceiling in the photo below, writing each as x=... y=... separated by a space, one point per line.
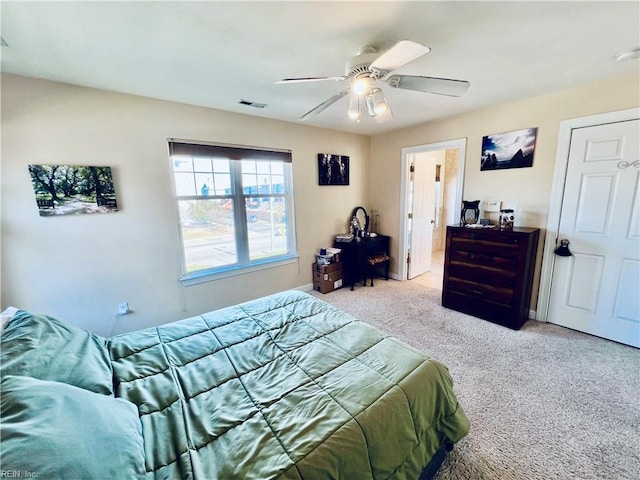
x=216 y=53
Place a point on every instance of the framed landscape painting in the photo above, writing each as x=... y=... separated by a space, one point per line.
x=508 y=150
x=72 y=190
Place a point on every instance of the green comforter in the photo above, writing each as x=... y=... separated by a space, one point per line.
x=285 y=387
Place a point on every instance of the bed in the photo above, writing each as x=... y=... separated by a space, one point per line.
x=283 y=387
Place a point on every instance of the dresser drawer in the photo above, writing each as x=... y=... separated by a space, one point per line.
x=483 y=274
x=486 y=247
x=482 y=291
x=502 y=237
x=495 y=312
x=495 y=260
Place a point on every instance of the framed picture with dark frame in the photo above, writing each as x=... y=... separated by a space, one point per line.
x=508 y=150
x=333 y=169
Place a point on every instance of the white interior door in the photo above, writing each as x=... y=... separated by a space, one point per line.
x=596 y=289
x=422 y=214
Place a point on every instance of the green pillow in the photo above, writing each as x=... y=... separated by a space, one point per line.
x=54 y=430
x=42 y=347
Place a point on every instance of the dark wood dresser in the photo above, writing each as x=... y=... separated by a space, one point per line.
x=488 y=273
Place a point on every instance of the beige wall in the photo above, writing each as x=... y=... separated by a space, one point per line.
x=79 y=268
x=530 y=188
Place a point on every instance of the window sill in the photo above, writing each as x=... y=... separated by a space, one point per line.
x=196 y=278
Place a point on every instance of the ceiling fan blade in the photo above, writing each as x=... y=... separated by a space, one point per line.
x=309 y=79
x=327 y=103
x=400 y=54
x=439 y=86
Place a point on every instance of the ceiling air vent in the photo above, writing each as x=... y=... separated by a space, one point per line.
x=252 y=104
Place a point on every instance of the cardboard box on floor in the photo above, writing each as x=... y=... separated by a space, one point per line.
x=332 y=267
x=327 y=278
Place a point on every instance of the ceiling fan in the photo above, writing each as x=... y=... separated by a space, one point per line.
x=368 y=68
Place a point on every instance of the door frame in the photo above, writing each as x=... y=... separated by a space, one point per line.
x=406 y=154
x=557 y=193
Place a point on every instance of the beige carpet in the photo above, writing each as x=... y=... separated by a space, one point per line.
x=544 y=402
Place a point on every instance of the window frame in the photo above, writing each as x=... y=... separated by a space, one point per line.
x=235 y=155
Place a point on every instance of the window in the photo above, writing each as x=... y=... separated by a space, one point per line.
x=235 y=206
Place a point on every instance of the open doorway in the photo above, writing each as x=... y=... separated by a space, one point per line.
x=432 y=181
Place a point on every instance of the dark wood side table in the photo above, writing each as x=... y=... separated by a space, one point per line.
x=355 y=256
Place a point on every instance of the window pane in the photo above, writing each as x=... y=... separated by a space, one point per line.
x=249 y=184
x=262 y=167
x=222 y=183
x=278 y=183
x=266 y=226
x=202 y=164
x=264 y=184
x=248 y=166
x=221 y=165
x=184 y=184
x=204 y=182
x=277 y=168
x=208 y=233
x=182 y=164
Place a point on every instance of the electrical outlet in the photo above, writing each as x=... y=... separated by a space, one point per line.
x=123 y=308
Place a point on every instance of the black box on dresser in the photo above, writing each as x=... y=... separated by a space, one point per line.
x=488 y=272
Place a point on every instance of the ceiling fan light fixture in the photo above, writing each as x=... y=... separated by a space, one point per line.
x=380 y=104
x=370 y=106
x=377 y=103
x=384 y=117
x=361 y=86
x=354 y=108
x=381 y=108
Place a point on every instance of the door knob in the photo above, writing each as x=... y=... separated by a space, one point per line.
x=563 y=249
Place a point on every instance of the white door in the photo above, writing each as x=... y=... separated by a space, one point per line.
x=596 y=290
x=422 y=214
